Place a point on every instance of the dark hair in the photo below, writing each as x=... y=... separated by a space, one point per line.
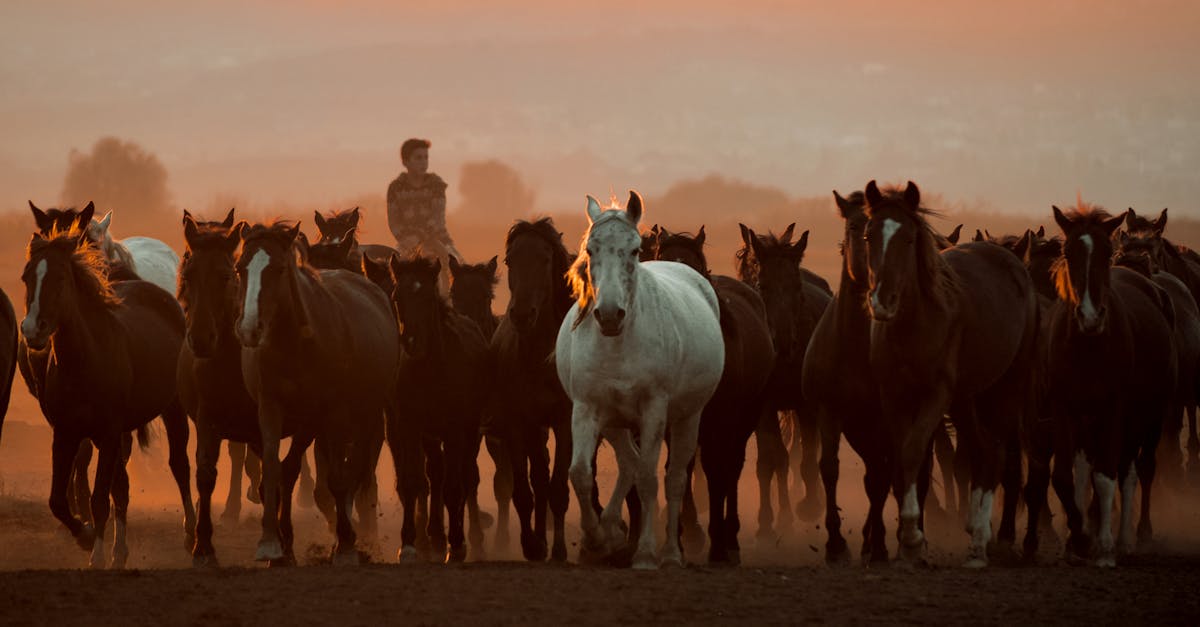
x=411 y=145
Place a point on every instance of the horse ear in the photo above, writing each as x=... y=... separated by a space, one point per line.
x=954 y=235
x=228 y=221
x=1024 y=246
x=455 y=266
x=700 y=236
x=43 y=221
x=492 y=264
x=872 y=195
x=843 y=205
x=349 y=242
x=655 y=229
x=1041 y=232
x=357 y=215
x=987 y=234
x=189 y=227
x=1111 y=225
x=1161 y=223
x=786 y=238
x=234 y=236
x=746 y=236
x=912 y=195
x=978 y=236
x=593 y=209
x=319 y=220
x=375 y=271
x=294 y=232
x=1063 y=221
x=634 y=207
x=393 y=265
x=437 y=266
x=801 y=245
x=84 y=219
x=187 y=215
x=755 y=244
x=1130 y=216
x=105 y=221
x=662 y=234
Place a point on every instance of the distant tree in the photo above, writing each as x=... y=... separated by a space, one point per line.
x=120 y=176
x=492 y=191
x=714 y=198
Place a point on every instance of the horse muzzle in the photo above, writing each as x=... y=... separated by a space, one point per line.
x=882 y=309
x=610 y=322
x=36 y=334
x=249 y=337
x=1093 y=325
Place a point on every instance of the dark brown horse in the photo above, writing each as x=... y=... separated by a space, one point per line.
x=952 y=332
x=529 y=399
x=442 y=390
x=472 y=290
x=336 y=225
x=1112 y=369
x=795 y=299
x=8 y=353
x=321 y=356
x=735 y=408
x=100 y=359
x=1182 y=264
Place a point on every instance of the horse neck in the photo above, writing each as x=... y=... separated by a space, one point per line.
x=292 y=317
x=75 y=342
x=851 y=304
x=117 y=252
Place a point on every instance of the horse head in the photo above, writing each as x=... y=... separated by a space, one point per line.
x=605 y=274
x=332 y=253
x=537 y=264
x=418 y=306
x=683 y=248
x=208 y=285
x=63 y=274
x=771 y=264
x=473 y=286
x=336 y=225
x=60 y=220
x=854 y=244
x=267 y=289
x=1082 y=272
x=902 y=252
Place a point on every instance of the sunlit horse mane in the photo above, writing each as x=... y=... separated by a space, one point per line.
x=581 y=285
x=88 y=265
x=1086 y=215
x=938 y=280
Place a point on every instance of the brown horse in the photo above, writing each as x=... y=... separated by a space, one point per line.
x=1182 y=264
x=795 y=299
x=8 y=353
x=952 y=332
x=734 y=410
x=335 y=226
x=99 y=357
x=472 y=290
x=442 y=390
x=321 y=352
x=528 y=399
x=1112 y=369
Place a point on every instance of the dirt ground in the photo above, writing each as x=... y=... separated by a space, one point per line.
x=782 y=579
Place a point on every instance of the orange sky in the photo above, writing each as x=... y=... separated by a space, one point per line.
x=1018 y=104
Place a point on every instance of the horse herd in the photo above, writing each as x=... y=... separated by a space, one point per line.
x=1066 y=359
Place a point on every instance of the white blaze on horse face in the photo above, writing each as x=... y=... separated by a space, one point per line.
x=253 y=290
x=890 y=227
x=1086 y=308
x=30 y=324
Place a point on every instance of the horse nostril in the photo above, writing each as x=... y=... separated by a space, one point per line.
x=596 y=312
x=620 y=314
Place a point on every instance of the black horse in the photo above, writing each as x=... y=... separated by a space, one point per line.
x=734 y=410
x=8 y=354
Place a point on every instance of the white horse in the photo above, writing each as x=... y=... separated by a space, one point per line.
x=640 y=353
x=150 y=259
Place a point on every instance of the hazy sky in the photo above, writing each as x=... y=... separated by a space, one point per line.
x=1019 y=104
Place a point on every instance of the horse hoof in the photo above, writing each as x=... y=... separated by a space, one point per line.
x=1106 y=560
x=407 y=554
x=86 y=538
x=205 y=561
x=456 y=554
x=346 y=558
x=534 y=548
x=558 y=553
x=644 y=561
x=252 y=496
x=975 y=563
x=672 y=562
x=268 y=551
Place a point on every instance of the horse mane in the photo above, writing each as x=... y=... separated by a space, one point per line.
x=582 y=290
x=561 y=260
x=1088 y=215
x=89 y=267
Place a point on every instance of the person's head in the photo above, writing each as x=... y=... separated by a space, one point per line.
x=414 y=154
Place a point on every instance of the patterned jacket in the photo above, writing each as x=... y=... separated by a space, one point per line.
x=417 y=215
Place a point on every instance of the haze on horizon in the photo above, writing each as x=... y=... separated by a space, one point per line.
x=1014 y=106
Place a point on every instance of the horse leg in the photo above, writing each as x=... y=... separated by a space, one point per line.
x=208 y=450
x=233 y=501
x=765 y=435
x=943 y=449
x=176 y=421
x=877 y=484
x=457 y=462
x=64 y=449
x=252 y=466
x=1105 y=483
x=435 y=521
x=539 y=480
x=1064 y=481
x=289 y=474
x=522 y=495
x=270 y=421
x=331 y=454
x=81 y=503
x=681 y=449
x=691 y=531
x=307 y=482
x=366 y=497
x=322 y=496
x=502 y=485
x=915 y=452
x=1035 y=493
x=404 y=443
x=108 y=453
x=1193 y=441
x=651 y=436
x=809 y=508
x=1127 y=479
x=120 y=499
x=987 y=462
x=472 y=496
x=830 y=469
x=1145 y=474
x=783 y=469
x=560 y=497
x=699 y=486
x=715 y=458
x=585 y=437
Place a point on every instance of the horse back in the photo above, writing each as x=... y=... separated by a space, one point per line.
x=749 y=353
x=152 y=325
x=370 y=337
x=998 y=310
x=1151 y=317
x=154 y=261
